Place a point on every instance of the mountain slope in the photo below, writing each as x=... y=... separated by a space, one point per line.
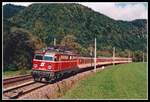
x=57 y=20
x=10 y=10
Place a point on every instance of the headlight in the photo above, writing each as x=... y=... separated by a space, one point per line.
x=49 y=67
x=34 y=65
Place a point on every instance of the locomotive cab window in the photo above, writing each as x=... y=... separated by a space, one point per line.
x=49 y=58
x=38 y=57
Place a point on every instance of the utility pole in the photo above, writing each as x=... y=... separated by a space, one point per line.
x=54 y=41
x=91 y=54
x=113 y=56
x=95 y=57
x=143 y=56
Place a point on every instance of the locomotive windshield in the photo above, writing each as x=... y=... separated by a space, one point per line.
x=49 y=58
x=41 y=57
x=38 y=57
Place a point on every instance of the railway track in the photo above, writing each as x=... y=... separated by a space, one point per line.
x=22 y=89
x=8 y=82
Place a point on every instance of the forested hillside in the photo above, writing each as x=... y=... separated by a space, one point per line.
x=10 y=10
x=37 y=25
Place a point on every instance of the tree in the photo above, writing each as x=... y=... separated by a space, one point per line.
x=69 y=41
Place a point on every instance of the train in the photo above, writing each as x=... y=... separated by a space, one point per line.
x=51 y=63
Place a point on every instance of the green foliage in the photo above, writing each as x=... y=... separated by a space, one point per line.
x=69 y=42
x=9 y=73
x=138 y=56
x=19 y=47
x=23 y=71
x=10 y=10
x=104 y=53
x=57 y=20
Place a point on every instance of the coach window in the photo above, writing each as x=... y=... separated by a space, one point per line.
x=38 y=57
x=71 y=58
x=56 y=59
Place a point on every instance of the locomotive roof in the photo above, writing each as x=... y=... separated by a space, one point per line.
x=54 y=52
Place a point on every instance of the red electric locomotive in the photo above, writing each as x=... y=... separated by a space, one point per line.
x=52 y=64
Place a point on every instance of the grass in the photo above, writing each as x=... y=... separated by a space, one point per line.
x=126 y=81
x=15 y=73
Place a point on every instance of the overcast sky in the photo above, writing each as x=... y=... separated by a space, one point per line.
x=116 y=10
